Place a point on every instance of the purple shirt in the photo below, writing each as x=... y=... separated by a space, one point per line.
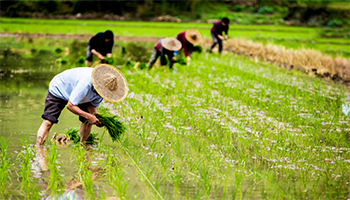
x=218 y=28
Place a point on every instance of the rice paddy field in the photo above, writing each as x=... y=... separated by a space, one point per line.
x=224 y=127
x=291 y=37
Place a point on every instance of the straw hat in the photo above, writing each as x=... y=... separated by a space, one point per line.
x=193 y=36
x=109 y=83
x=171 y=44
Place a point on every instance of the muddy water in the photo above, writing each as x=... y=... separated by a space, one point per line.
x=24 y=84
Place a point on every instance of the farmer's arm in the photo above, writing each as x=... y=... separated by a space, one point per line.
x=109 y=50
x=226 y=32
x=93 y=51
x=90 y=117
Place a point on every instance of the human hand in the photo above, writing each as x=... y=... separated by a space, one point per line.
x=100 y=57
x=164 y=68
x=188 y=60
x=93 y=120
x=221 y=37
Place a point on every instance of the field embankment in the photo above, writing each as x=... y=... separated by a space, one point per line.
x=307 y=60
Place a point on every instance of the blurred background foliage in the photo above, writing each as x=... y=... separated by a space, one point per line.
x=329 y=13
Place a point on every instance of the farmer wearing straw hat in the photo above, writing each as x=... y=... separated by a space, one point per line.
x=188 y=39
x=99 y=45
x=216 y=33
x=165 y=46
x=82 y=89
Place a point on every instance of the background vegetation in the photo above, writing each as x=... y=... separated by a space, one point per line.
x=306 y=12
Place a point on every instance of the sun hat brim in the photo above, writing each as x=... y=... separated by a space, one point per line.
x=99 y=77
x=171 y=44
x=193 y=36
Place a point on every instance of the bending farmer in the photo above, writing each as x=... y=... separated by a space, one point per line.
x=188 y=39
x=162 y=48
x=216 y=33
x=82 y=89
x=99 y=45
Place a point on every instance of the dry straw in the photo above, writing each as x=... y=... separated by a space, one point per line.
x=307 y=60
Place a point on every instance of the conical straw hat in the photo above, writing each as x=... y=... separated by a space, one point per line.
x=109 y=83
x=193 y=36
x=171 y=44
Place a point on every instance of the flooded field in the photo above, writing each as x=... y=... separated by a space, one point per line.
x=223 y=128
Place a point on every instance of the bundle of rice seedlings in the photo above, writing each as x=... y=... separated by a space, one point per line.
x=74 y=136
x=129 y=64
x=108 y=60
x=114 y=127
x=181 y=61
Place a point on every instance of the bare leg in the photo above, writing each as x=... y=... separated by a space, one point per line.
x=43 y=132
x=85 y=129
x=87 y=63
x=42 y=158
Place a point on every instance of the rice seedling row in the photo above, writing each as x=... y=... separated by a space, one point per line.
x=298 y=144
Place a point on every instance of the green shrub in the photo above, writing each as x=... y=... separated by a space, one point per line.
x=238 y=8
x=265 y=10
x=335 y=23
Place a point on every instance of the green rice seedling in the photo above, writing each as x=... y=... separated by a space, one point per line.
x=129 y=64
x=27 y=185
x=61 y=61
x=80 y=61
x=108 y=60
x=142 y=65
x=115 y=128
x=58 y=50
x=123 y=50
x=181 y=61
x=55 y=180
x=74 y=135
x=5 y=173
x=198 y=48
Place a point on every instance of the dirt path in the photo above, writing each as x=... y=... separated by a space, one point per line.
x=78 y=37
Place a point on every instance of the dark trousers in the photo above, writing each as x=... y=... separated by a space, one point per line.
x=216 y=40
x=163 y=60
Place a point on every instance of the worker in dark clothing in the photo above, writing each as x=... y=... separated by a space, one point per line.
x=99 y=45
x=162 y=48
x=188 y=39
x=216 y=33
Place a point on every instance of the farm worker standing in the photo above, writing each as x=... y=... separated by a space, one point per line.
x=216 y=33
x=99 y=45
x=188 y=39
x=162 y=48
x=82 y=89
